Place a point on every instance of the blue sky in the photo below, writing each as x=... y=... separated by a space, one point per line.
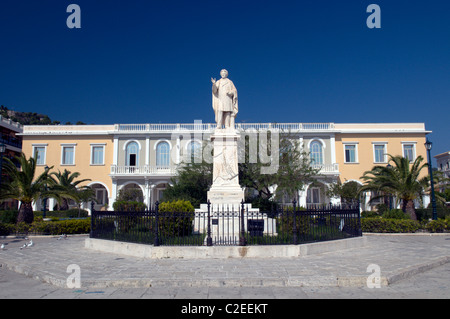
x=139 y=61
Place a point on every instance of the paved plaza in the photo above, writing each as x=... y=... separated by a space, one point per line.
x=406 y=266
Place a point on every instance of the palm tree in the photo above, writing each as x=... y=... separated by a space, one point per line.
x=67 y=188
x=23 y=186
x=400 y=180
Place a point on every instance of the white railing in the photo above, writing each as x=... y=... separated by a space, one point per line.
x=326 y=168
x=142 y=170
x=209 y=127
x=156 y=170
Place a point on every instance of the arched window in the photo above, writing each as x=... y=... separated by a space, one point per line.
x=195 y=152
x=163 y=154
x=316 y=153
x=132 y=154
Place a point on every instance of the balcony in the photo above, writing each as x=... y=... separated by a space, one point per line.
x=145 y=170
x=327 y=169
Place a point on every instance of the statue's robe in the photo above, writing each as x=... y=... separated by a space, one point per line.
x=222 y=102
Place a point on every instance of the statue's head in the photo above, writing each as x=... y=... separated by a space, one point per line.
x=224 y=74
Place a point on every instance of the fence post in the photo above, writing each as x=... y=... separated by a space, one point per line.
x=295 y=241
x=242 y=239
x=209 y=239
x=91 y=233
x=358 y=210
x=156 y=240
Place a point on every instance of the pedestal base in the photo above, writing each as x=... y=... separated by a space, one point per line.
x=231 y=196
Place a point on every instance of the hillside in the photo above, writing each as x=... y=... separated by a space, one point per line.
x=29 y=118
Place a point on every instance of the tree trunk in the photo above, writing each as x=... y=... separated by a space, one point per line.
x=25 y=213
x=410 y=209
x=65 y=205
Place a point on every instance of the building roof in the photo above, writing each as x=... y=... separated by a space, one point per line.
x=442 y=154
x=205 y=127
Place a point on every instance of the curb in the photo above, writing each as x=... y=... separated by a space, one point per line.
x=356 y=281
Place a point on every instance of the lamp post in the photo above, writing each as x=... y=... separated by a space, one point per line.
x=44 y=209
x=2 y=151
x=389 y=166
x=428 y=146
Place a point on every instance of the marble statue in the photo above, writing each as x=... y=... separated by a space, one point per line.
x=225 y=101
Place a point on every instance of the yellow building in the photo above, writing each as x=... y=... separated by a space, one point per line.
x=145 y=156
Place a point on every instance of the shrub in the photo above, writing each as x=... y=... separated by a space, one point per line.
x=9 y=216
x=438 y=226
x=369 y=214
x=180 y=206
x=176 y=218
x=69 y=227
x=6 y=229
x=382 y=225
x=128 y=206
x=395 y=214
x=70 y=213
x=285 y=222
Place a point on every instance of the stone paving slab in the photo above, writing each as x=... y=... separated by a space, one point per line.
x=398 y=257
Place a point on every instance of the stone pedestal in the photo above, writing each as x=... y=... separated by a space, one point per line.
x=225 y=189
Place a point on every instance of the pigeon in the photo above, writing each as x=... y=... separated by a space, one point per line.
x=63 y=236
x=24 y=246
x=2 y=246
x=30 y=244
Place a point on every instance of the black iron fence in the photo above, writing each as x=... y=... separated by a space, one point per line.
x=229 y=226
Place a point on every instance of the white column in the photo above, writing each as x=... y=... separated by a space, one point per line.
x=302 y=196
x=178 y=150
x=116 y=151
x=147 y=201
x=147 y=150
x=51 y=204
x=34 y=205
x=333 y=149
x=151 y=195
x=113 y=197
x=368 y=195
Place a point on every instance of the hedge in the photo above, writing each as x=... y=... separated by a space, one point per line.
x=128 y=206
x=69 y=227
x=10 y=216
x=383 y=225
x=176 y=218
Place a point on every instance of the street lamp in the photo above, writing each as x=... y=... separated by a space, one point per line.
x=389 y=166
x=2 y=151
x=428 y=146
x=44 y=209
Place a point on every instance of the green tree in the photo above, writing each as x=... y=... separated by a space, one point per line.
x=192 y=183
x=293 y=169
x=348 y=192
x=400 y=180
x=65 y=187
x=24 y=186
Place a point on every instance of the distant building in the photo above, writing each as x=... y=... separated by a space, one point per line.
x=443 y=165
x=145 y=156
x=10 y=137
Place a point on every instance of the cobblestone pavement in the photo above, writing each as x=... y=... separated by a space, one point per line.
x=410 y=267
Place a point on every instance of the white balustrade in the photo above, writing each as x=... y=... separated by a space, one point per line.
x=326 y=168
x=142 y=170
x=209 y=127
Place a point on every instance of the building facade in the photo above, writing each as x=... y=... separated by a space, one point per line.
x=11 y=140
x=146 y=156
x=443 y=165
